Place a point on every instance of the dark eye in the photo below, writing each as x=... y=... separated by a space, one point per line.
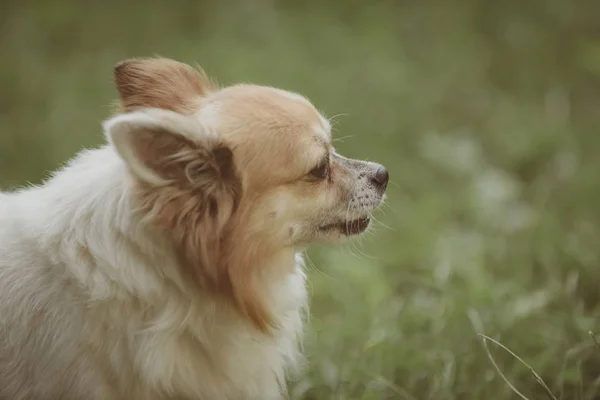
x=321 y=171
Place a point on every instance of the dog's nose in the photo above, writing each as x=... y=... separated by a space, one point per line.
x=381 y=177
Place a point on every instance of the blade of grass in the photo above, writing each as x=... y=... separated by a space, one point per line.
x=538 y=378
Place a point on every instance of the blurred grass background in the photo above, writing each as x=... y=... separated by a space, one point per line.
x=487 y=115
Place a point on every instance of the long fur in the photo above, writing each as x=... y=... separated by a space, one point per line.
x=167 y=263
x=84 y=292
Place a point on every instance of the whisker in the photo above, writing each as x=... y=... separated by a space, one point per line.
x=333 y=117
x=360 y=242
x=348 y=214
x=382 y=210
x=355 y=255
x=362 y=252
x=382 y=224
x=342 y=138
x=386 y=204
x=314 y=267
x=349 y=228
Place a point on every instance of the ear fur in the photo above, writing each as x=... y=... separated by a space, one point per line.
x=162 y=147
x=160 y=83
x=189 y=186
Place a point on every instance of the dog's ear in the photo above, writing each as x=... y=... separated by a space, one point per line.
x=160 y=83
x=166 y=148
x=189 y=187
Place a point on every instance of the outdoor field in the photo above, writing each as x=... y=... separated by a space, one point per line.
x=487 y=115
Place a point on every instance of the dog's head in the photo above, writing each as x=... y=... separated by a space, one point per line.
x=235 y=175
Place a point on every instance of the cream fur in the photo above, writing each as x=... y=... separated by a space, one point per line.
x=165 y=264
x=85 y=304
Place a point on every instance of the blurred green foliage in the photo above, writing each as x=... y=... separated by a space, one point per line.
x=487 y=116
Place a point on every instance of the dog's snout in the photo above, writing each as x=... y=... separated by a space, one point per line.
x=381 y=177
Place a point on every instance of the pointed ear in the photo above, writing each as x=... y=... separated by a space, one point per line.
x=160 y=83
x=163 y=147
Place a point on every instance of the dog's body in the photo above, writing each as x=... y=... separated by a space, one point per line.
x=106 y=286
x=84 y=304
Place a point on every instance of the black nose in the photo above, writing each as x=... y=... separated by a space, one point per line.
x=381 y=177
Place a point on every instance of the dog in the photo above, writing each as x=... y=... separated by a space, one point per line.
x=167 y=263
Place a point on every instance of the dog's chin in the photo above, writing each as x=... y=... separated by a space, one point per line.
x=344 y=229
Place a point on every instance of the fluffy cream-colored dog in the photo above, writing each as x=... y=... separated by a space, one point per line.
x=165 y=264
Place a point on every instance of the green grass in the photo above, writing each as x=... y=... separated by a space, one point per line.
x=487 y=116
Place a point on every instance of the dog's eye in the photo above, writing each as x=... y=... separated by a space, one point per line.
x=321 y=171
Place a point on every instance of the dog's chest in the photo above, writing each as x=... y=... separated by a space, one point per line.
x=228 y=359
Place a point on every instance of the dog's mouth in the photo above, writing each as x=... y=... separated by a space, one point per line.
x=352 y=227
